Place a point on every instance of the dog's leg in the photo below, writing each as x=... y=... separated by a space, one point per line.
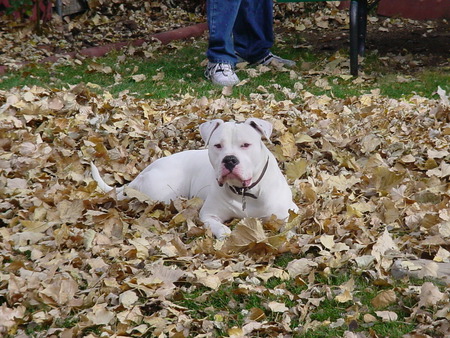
x=218 y=229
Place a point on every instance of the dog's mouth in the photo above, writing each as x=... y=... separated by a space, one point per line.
x=234 y=179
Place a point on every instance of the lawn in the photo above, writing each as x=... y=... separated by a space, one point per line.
x=367 y=159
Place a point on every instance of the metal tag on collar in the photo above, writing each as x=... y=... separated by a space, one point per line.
x=244 y=202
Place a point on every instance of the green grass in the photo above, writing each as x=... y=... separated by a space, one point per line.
x=425 y=84
x=232 y=304
x=283 y=260
x=178 y=71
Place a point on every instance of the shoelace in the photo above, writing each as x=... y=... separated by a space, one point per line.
x=219 y=67
x=267 y=58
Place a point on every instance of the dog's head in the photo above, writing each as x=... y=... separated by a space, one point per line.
x=236 y=150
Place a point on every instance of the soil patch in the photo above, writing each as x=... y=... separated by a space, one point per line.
x=428 y=41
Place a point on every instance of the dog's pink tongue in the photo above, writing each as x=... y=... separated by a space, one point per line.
x=246 y=183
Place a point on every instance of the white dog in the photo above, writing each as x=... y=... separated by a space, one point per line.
x=237 y=176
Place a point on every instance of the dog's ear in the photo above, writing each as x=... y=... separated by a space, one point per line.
x=208 y=128
x=261 y=126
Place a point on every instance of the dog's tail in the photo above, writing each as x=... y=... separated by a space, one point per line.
x=97 y=178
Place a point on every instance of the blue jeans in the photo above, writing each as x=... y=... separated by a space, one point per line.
x=239 y=26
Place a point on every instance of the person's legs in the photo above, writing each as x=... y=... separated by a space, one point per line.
x=221 y=54
x=221 y=16
x=253 y=30
x=253 y=33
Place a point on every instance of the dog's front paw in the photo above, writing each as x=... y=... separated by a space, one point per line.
x=218 y=229
x=222 y=233
x=214 y=223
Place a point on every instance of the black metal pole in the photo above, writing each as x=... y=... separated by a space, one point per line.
x=354 y=4
x=362 y=26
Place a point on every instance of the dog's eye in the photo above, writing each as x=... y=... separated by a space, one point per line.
x=245 y=145
x=218 y=145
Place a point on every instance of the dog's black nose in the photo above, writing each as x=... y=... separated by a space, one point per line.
x=230 y=162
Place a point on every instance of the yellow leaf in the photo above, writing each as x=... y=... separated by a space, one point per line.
x=442 y=255
x=296 y=169
x=288 y=146
x=235 y=332
x=88 y=238
x=34 y=226
x=346 y=294
x=218 y=318
x=344 y=297
x=327 y=241
x=303 y=138
x=366 y=100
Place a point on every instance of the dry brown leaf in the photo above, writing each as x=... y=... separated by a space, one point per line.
x=208 y=279
x=100 y=315
x=383 y=244
x=346 y=291
x=300 y=267
x=246 y=235
x=430 y=295
x=327 y=241
x=10 y=315
x=256 y=314
x=368 y=318
x=61 y=291
x=128 y=298
x=130 y=316
x=384 y=299
x=227 y=90
x=387 y=316
x=277 y=307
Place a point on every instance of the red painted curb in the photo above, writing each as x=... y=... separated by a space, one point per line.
x=164 y=37
x=417 y=9
x=412 y=9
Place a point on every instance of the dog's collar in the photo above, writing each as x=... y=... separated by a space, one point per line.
x=243 y=191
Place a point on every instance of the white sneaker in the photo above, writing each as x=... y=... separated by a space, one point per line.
x=269 y=59
x=221 y=74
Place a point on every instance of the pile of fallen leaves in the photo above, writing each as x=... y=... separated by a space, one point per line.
x=370 y=175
